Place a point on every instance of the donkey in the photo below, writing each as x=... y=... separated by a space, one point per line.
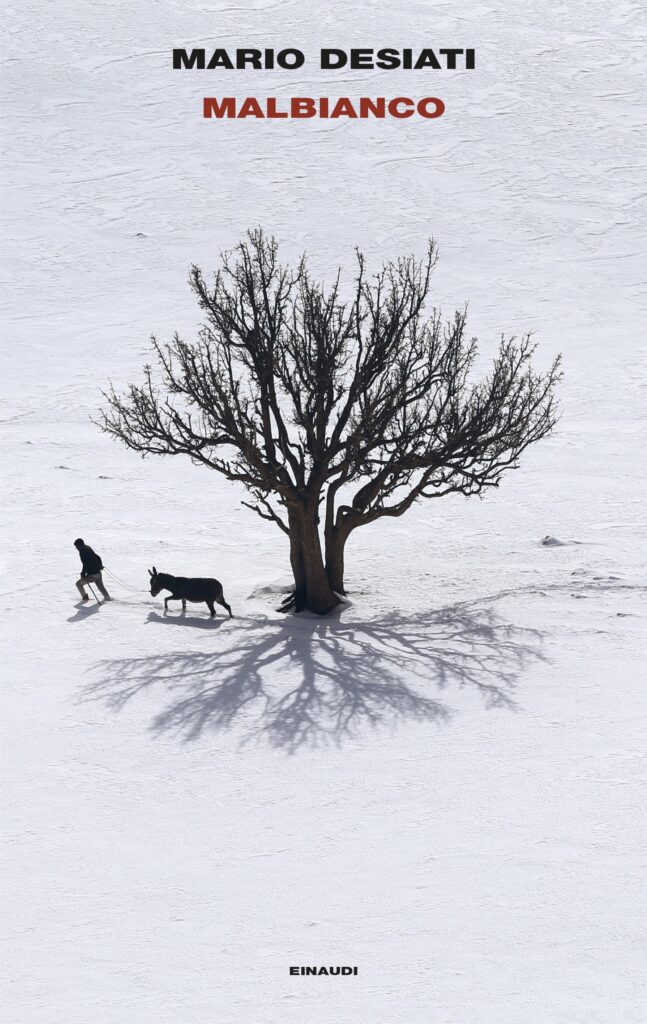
x=184 y=589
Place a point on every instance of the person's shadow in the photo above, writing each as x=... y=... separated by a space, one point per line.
x=301 y=680
x=85 y=610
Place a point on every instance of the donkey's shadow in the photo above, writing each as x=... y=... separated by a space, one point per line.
x=182 y=619
x=297 y=680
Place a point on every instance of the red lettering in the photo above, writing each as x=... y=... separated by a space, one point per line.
x=376 y=107
x=303 y=106
x=343 y=108
x=272 y=109
x=396 y=103
x=438 y=107
x=250 y=108
x=212 y=107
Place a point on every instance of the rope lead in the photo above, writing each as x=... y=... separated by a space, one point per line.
x=126 y=586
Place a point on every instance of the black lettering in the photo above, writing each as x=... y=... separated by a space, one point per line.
x=245 y=57
x=182 y=59
x=289 y=59
x=220 y=59
x=451 y=58
x=428 y=59
x=388 y=58
x=361 y=59
x=329 y=56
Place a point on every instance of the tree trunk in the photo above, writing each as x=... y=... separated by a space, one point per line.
x=312 y=591
x=335 y=545
x=335 y=563
x=298 y=564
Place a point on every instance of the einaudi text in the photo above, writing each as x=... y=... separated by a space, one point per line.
x=323 y=970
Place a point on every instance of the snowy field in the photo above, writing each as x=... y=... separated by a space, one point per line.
x=443 y=784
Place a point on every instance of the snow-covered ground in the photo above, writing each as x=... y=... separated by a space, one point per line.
x=442 y=785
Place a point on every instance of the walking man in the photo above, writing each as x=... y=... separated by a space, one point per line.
x=91 y=572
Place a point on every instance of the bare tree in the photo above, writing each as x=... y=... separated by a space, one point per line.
x=345 y=411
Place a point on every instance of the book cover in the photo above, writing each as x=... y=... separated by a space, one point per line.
x=323 y=513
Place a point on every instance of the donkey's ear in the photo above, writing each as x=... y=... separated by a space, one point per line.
x=154 y=571
x=151 y=574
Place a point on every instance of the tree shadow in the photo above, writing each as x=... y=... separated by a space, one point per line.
x=296 y=680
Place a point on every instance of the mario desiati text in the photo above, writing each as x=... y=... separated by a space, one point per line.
x=387 y=59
